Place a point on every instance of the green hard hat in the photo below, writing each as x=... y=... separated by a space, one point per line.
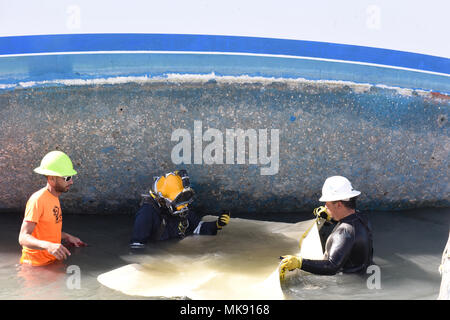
x=56 y=163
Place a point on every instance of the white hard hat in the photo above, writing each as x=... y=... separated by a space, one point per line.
x=338 y=188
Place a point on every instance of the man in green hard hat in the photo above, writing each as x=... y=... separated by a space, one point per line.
x=41 y=231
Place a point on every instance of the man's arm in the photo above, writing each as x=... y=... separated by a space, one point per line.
x=342 y=244
x=26 y=239
x=211 y=227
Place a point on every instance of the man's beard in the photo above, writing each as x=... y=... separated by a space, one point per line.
x=61 y=189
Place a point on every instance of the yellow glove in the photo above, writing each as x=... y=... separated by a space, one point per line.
x=223 y=220
x=289 y=263
x=321 y=212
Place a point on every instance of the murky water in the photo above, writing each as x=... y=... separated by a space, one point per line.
x=408 y=247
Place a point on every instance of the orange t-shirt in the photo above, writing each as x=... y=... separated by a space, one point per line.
x=44 y=209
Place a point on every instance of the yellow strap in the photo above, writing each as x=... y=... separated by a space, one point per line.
x=306 y=232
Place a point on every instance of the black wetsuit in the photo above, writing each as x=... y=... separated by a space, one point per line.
x=155 y=223
x=349 y=248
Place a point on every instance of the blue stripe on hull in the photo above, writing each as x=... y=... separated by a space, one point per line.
x=41 y=44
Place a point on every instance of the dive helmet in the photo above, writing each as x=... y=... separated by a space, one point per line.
x=338 y=188
x=56 y=163
x=173 y=191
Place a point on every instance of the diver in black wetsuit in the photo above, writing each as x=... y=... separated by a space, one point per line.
x=349 y=247
x=165 y=213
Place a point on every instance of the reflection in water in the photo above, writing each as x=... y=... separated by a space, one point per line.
x=48 y=280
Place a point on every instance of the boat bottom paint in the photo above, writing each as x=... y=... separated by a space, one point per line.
x=392 y=144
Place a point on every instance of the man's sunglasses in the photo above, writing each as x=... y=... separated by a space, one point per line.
x=67 y=179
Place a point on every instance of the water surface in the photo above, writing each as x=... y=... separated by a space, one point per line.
x=408 y=246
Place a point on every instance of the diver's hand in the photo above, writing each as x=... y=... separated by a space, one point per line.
x=223 y=220
x=289 y=263
x=321 y=212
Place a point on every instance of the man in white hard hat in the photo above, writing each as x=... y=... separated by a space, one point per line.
x=348 y=248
